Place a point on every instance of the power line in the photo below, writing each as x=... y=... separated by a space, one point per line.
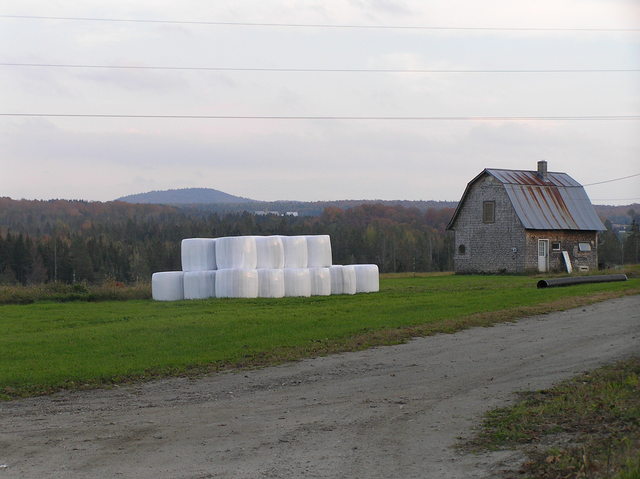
x=317 y=70
x=615 y=179
x=322 y=25
x=333 y=117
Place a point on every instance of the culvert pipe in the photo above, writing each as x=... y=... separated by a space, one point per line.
x=604 y=278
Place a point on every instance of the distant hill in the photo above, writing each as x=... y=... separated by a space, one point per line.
x=208 y=199
x=617 y=214
x=185 y=196
x=215 y=201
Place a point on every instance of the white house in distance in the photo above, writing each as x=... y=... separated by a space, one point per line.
x=516 y=221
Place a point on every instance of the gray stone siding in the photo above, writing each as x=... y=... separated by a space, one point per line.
x=497 y=247
x=568 y=242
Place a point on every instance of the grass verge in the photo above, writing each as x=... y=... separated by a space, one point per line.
x=586 y=427
x=62 y=292
x=47 y=346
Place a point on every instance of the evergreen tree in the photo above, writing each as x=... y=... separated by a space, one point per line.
x=632 y=244
x=609 y=247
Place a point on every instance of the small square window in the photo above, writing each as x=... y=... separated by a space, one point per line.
x=489 y=212
x=584 y=247
x=556 y=246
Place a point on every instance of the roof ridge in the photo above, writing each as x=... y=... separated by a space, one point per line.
x=528 y=171
x=540 y=186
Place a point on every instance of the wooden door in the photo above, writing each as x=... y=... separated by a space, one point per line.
x=543 y=255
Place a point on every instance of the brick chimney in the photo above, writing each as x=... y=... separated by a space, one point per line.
x=542 y=170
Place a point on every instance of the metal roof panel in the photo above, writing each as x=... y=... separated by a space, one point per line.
x=554 y=208
x=524 y=177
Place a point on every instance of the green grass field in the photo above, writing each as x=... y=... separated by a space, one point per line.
x=46 y=346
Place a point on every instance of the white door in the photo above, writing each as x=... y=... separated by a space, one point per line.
x=543 y=255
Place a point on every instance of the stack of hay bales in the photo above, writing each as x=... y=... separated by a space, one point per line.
x=261 y=267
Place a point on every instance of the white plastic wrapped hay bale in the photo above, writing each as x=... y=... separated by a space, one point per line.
x=297 y=282
x=198 y=254
x=295 y=251
x=270 y=283
x=270 y=252
x=236 y=283
x=199 y=284
x=236 y=252
x=318 y=251
x=320 y=281
x=349 y=280
x=337 y=283
x=367 y=278
x=167 y=286
x=343 y=279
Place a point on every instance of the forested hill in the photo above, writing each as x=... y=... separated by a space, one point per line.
x=216 y=201
x=621 y=215
x=184 y=196
x=208 y=200
x=315 y=208
x=36 y=217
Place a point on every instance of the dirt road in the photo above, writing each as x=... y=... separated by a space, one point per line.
x=391 y=412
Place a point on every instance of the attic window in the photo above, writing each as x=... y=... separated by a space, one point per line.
x=584 y=247
x=489 y=212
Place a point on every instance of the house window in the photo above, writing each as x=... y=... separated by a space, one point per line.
x=556 y=246
x=584 y=247
x=462 y=249
x=489 y=212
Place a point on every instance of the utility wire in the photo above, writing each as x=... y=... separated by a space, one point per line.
x=615 y=179
x=318 y=70
x=301 y=117
x=322 y=25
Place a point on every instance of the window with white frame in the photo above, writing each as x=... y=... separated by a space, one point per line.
x=584 y=247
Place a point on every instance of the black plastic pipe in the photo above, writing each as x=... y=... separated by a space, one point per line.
x=604 y=278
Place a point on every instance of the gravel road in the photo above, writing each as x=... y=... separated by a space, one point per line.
x=389 y=412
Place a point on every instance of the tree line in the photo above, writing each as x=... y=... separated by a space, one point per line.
x=617 y=246
x=73 y=241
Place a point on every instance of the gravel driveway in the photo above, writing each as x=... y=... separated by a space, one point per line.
x=388 y=412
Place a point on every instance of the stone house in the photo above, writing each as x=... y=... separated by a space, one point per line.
x=516 y=221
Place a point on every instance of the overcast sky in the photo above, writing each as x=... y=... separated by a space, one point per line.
x=104 y=158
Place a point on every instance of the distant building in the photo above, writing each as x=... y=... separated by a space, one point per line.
x=265 y=213
x=275 y=213
x=515 y=221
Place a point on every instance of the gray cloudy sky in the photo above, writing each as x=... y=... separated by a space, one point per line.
x=104 y=158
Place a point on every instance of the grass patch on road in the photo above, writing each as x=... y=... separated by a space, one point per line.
x=587 y=427
x=47 y=346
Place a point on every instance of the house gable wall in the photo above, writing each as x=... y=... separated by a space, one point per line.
x=488 y=247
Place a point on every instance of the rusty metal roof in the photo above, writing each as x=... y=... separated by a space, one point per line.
x=557 y=203
x=518 y=177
